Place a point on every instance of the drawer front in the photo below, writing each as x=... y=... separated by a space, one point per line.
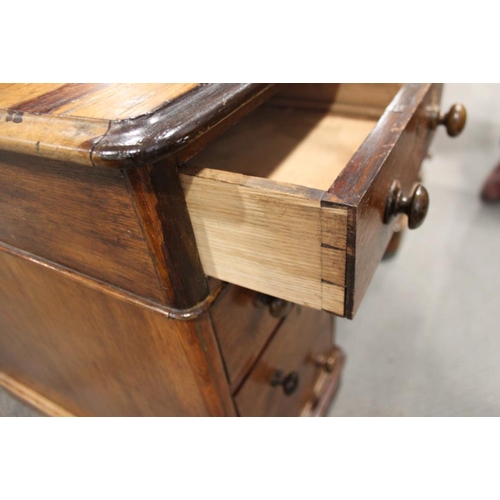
x=394 y=151
x=283 y=381
x=243 y=321
x=265 y=216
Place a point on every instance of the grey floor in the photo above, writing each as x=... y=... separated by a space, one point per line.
x=426 y=340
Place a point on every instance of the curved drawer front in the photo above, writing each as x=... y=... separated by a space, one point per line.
x=291 y=201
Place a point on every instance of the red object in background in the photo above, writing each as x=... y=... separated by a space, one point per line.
x=491 y=188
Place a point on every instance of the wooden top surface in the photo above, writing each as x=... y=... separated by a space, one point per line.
x=102 y=101
x=115 y=125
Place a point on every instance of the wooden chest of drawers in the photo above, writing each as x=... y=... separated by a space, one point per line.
x=127 y=208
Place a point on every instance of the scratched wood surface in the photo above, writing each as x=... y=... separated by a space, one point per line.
x=65 y=121
x=120 y=125
x=394 y=150
x=99 y=101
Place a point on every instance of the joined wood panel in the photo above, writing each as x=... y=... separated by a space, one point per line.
x=333 y=265
x=260 y=234
x=257 y=238
x=81 y=218
x=92 y=353
x=393 y=151
x=300 y=147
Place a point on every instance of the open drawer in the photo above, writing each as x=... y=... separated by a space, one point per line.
x=297 y=200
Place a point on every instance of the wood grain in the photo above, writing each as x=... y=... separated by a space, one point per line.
x=258 y=234
x=303 y=336
x=53 y=137
x=161 y=207
x=101 y=101
x=242 y=329
x=333 y=298
x=120 y=125
x=80 y=218
x=394 y=150
x=179 y=125
x=91 y=353
x=351 y=99
x=299 y=147
x=333 y=227
x=333 y=265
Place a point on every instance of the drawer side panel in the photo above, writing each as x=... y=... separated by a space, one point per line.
x=259 y=234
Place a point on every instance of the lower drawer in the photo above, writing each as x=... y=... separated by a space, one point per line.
x=243 y=321
x=284 y=382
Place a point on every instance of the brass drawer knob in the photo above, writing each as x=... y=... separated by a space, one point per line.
x=278 y=308
x=454 y=120
x=327 y=362
x=415 y=206
x=290 y=382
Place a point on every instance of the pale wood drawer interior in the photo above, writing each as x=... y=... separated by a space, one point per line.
x=256 y=196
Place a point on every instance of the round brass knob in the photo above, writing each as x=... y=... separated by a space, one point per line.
x=414 y=206
x=454 y=120
x=328 y=363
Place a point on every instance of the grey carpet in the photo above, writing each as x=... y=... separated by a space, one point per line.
x=426 y=340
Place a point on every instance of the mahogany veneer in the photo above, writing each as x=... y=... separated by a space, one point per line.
x=118 y=202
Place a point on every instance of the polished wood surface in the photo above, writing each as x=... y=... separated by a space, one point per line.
x=304 y=335
x=265 y=235
x=242 y=328
x=414 y=206
x=94 y=354
x=104 y=295
x=181 y=128
x=402 y=137
x=454 y=120
x=119 y=125
x=100 y=101
x=255 y=229
x=80 y=218
x=161 y=208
